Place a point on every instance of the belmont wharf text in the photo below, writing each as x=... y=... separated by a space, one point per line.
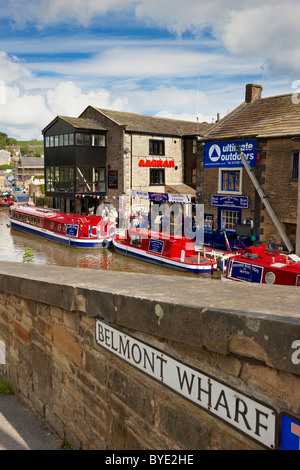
x=244 y=413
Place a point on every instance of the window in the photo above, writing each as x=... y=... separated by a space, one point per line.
x=56 y=141
x=98 y=140
x=230 y=180
x=90 y=179
x=79 y=139
x=156 y=147
x=66 y=139
x=295 y=170
x=157 y=177
x=47 y=142
x=229 y=219
x=61 y=140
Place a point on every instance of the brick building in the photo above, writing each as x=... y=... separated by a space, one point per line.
x=136 y=155
x=269 y=131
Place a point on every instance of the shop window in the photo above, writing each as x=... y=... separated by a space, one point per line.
x=230 y=181
x=295 y=169
x=229 y=219
x=157 y=177
x=156 y=147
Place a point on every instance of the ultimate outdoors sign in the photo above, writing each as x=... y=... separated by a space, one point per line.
x=248 y=415
x=225 y=154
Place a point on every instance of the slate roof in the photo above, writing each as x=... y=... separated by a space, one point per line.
x=78 y=123
x=276 y=116
x=156 y=125
x=83 y=123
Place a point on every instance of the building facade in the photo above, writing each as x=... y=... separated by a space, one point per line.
x=136 y=158
x=268 y=132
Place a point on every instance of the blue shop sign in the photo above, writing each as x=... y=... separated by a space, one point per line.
x=158 y=196
x=290 y=432
x=225 y=154
x=238 y=202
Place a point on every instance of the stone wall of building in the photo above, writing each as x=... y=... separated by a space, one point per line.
x=280 y=188
x=126 y=361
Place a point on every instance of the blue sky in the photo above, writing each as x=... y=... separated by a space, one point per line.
x=167 y=58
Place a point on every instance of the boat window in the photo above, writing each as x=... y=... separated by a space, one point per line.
x=21 y=217
x=33 y=220
x=298 y=281
x=64 y=228
x=270 y=278
x=26 y=218
x=52 y=225
x=59 y=227
x=40 y=222
x=135 y=240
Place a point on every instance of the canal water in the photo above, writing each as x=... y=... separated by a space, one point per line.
x=13 y=246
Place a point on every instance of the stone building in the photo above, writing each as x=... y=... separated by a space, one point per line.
x=26 y=169
x=268 y=131
x=141 y=157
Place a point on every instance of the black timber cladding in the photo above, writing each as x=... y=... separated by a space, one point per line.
x=74 y=155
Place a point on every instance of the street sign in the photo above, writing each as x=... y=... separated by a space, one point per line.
x=290 y=432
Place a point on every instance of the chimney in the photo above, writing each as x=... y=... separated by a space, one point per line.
x=253 y=93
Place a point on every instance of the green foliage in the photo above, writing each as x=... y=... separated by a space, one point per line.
x=6 y=388
x=28 y=256
x=6 y=167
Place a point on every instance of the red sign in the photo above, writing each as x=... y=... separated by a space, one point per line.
x=158 y=163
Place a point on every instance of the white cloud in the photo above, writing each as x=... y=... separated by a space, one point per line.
x=11 y=69
x=43 y=12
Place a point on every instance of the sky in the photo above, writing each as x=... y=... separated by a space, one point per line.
x=184 y=60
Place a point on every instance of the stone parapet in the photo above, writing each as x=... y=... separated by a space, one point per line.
x=246 y=337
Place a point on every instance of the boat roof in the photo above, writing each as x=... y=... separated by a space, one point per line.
x=51 y=214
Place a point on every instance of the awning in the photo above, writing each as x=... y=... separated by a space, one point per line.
x=180 y=189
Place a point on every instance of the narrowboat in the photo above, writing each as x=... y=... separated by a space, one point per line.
x=230 y=240
x=6 y=200
x=166 y=250
x=257 y=264
x=67 y=229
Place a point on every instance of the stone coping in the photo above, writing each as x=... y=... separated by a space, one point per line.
x=257 y=321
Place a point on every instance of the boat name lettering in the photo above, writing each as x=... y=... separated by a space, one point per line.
x=157 y=163
x=244 y=413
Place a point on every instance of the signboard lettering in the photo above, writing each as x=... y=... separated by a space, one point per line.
x=72 y=230
x=238 y=202
x=157 y=163
x=244 y=413
x=156 y=246
x=225 y=154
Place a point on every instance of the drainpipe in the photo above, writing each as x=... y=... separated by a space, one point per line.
x=266 y=202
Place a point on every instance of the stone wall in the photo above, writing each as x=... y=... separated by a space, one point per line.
x=61 y=329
